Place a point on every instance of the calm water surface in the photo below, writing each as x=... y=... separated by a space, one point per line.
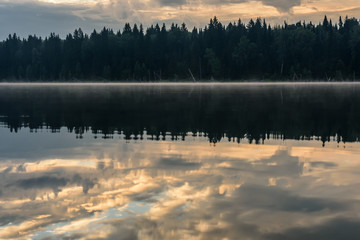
x=191 y=161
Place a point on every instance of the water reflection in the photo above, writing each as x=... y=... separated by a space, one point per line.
x=235 y=112
x=143 y=189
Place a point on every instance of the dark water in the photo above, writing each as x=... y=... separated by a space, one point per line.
x=162 y=161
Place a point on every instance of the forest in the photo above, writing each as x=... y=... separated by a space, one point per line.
x=234 y=52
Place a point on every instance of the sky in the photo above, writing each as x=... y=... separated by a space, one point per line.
x=41 y=17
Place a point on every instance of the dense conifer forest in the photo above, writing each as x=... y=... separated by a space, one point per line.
x=237 y=51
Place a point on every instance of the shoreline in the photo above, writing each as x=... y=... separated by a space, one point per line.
x=176 y=83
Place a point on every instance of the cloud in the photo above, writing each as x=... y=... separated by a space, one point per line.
x=35 y=18
x=274 y=199
x=172 y=190
x=30 y=17
x=172 y=2
x=282 y=5
x=323 y=165
x=176 y=164
x=37 y=183
x=41 y=182
x=338 y=228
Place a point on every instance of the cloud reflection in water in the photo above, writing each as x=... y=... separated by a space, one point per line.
x=177 y=190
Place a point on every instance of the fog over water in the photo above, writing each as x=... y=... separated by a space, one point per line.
x=191 y=161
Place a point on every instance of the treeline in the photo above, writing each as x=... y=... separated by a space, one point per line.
x=255 y=50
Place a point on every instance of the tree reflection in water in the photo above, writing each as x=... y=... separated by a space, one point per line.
x=129 y=186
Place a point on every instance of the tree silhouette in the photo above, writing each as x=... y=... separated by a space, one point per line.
x=237 y=51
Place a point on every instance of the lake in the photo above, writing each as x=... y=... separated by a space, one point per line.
x=180 y=161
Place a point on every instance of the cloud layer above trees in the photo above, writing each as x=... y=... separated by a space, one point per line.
x=62 y=16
